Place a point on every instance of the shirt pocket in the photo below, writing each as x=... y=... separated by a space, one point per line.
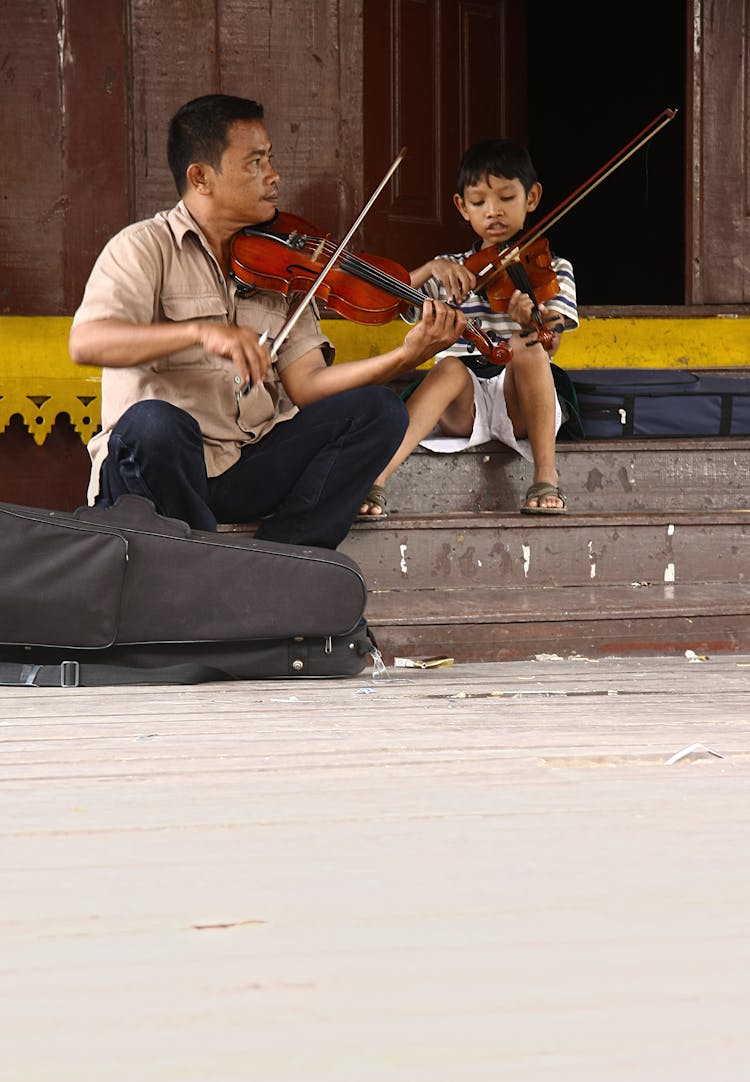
x=178 y=309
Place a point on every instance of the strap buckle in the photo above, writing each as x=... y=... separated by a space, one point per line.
x=69 y=674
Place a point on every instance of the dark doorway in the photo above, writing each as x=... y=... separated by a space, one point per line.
x=575 y=88
x=594 y=82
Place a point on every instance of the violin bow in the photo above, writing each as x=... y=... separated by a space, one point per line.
x=291 y=320
x=510 y=253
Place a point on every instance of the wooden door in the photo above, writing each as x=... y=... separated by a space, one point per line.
x=438 y=75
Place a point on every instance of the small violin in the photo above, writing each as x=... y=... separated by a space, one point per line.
x=499 y=287
x=287 y=254
x=528 y=269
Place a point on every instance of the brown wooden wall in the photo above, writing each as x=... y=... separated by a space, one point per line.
x=88 y=88
x=718 y=163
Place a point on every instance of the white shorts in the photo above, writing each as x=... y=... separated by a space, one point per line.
x=491 y=421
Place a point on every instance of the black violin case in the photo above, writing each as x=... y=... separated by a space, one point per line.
x=126 y=596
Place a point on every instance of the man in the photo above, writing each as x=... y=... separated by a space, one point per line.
x=178 y=346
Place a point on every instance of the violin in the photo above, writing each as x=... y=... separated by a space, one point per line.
x=287 y=255
x=498 y=287
x=529 y=270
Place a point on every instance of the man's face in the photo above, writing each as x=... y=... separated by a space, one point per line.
x=245 y=187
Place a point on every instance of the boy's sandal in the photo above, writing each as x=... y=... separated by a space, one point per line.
x=376 y=497
x=537 y=492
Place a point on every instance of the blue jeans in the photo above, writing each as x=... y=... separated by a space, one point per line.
x=305 y=480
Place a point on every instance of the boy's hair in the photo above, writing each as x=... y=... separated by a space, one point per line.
x=497 y=158
x=198 y=131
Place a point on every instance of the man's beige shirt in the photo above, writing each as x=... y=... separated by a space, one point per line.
x=162 y=270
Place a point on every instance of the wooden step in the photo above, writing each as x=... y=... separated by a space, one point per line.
x=443 y=552
x=493 y=587
x=653 y=556
x=596 y=475
x=504 y=624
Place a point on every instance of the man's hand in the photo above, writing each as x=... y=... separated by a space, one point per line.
x=240 y=345
x=438 y=328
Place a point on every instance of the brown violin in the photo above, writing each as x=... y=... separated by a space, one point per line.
x=287 y=255
x=534 y=257
x=529 y=270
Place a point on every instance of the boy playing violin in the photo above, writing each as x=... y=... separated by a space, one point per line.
x=496 y=188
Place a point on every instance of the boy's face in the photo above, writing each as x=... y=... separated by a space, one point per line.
x=496 y=207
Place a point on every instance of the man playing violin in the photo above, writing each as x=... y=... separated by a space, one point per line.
x=195 y=416
x=473 y=403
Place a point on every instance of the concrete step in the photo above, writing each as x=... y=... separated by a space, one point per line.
x=596 y=475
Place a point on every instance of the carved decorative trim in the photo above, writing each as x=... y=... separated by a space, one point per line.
x=40 y=400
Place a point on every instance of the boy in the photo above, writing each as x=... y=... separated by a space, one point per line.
x=496 y=188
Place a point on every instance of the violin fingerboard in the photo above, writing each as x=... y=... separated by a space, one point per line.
x=520 y=279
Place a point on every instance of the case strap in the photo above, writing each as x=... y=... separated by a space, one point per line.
x=73 y=674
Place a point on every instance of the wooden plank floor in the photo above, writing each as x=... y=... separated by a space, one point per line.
x=484 y=872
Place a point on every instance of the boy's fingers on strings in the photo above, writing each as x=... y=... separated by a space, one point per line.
x=460 y=284
x=553 y=320
x=456 y=279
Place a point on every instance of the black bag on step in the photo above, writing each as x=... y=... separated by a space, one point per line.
x=126 y=596
x=650 y=403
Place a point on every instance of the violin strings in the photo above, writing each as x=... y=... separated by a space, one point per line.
x=360 y=268
x=365 y=271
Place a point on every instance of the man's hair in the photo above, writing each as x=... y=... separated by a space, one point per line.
x=497 y=158
x=198 y=131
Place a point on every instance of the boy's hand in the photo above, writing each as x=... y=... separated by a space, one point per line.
x=456 y=279
x=520 y=307
x=554 y=323
x=438 y=328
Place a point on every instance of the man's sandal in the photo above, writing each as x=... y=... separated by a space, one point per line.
x=376 y=497
x=537 y=492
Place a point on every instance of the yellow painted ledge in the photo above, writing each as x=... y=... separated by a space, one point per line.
x=39 y=381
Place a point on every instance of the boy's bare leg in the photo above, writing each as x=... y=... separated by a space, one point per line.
x=446 y=394
x=530 y=398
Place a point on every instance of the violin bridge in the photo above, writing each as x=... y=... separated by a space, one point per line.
x=318 y=250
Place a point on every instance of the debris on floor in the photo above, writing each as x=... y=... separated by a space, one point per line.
x=693 y=751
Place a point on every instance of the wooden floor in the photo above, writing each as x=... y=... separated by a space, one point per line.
x=483 y=872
